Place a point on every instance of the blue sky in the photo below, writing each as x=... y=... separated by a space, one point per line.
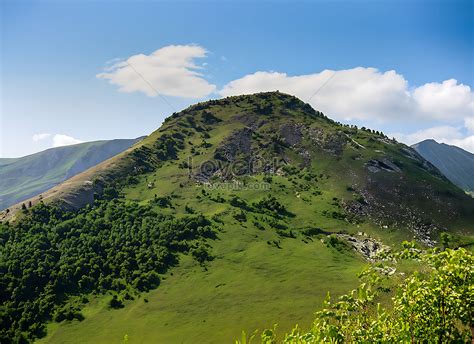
x=52 y=53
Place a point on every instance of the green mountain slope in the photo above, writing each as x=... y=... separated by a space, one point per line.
x=287 y=192
x=21 y=178
x=455 y=163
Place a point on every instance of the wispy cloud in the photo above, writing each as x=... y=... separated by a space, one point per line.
x=64 y=140
x=40 y=137
x=168 y=71
x=56 y=140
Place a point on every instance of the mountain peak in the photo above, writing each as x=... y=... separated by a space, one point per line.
x=454 y=162
x=272 y=133
x=430 y=141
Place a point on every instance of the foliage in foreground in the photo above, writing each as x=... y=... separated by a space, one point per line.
x=433 y=305
x=50 y=260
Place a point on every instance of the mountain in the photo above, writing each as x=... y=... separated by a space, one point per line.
x=235 y=214
x=22 y=178
x=455 y=163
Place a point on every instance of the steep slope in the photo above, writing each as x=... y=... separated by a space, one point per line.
x=455 y=163
x=287 y=193
x=21 y=178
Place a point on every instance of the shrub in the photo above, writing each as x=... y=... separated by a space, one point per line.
x=162 y=202
x=115 y=303
x=201 y=254
x=238 y=203
x=240 y=216
x=272 y=204
x=259 y=225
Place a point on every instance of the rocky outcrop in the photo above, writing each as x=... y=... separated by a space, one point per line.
x=376 y=165
x=239 y=142
x=292 y=133
x=368 y=247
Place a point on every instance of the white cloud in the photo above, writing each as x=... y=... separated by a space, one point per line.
x=443 y=134
x=365 y=94
x=440 y=134
x=64 y=140
x=446 y=100
x=358 y=93
x=466 y=143
x=40 y=137
x=469 y=123
x=169 y=71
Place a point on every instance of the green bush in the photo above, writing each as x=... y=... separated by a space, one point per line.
x=162 y=202
x=240 y=216
x=272 y=204
x=116 y=303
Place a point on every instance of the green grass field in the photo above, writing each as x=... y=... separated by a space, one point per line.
x=247 y=286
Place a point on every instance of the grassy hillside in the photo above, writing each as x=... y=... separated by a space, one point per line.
x=248 y=285
x=288 y=194
x=22 y=178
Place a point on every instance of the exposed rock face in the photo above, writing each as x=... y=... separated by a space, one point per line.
x=250 y=120
x=240 y=142
x=424 y=231
x=335 y=143
x=379 y=211
x=331 y=143
x=316 y=135
x=375 y=166
x=292 y=133
x=411 y=153
x=369 y=248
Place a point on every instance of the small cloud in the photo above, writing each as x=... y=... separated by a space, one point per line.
x=40 y=137
x=169 y=71
x=223 y=58
x=64 y=140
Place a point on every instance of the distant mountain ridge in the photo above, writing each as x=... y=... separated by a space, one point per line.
x=454 y=162
x=21 y=178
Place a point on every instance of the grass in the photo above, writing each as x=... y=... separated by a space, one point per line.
x=249 y=285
